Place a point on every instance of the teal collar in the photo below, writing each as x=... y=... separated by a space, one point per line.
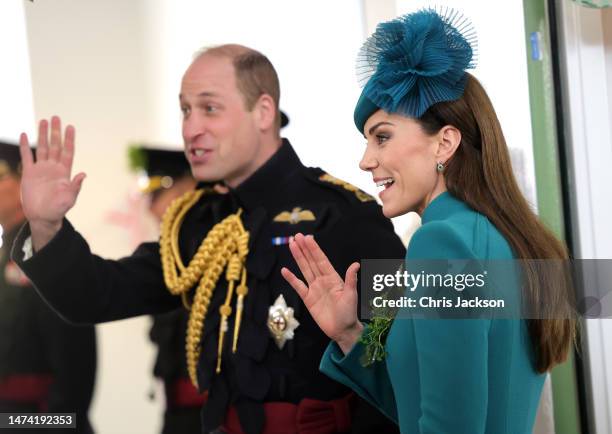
x=443 y=205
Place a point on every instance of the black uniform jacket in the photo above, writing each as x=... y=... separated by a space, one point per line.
x=168 y=334
x=348 y=225
x=57 y=360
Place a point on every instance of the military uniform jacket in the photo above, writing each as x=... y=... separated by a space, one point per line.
x=348 y=224
x=36 y=344
x=168 y=334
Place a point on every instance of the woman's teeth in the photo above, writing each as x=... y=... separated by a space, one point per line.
x=385 y=182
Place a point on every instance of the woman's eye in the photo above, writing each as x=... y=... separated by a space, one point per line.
x=381 y=138
x=185 y=111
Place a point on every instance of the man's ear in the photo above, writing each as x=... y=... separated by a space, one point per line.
x=449 y=138
x=266 y=112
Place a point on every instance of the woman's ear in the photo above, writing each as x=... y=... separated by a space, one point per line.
x=449 y=138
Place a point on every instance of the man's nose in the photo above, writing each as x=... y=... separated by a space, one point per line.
x=193 y=127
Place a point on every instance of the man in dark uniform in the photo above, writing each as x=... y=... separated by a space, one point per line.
x=46 y=365
x=165 y=175
x=251 y=344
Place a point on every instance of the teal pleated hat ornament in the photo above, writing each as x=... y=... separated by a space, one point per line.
x=413 y=62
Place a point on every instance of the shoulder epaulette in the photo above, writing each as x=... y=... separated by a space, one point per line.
x=359 y=194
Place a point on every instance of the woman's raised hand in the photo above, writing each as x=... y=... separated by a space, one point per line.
x=331 y=301
x=47 y=190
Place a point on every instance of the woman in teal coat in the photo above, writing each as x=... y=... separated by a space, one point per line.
x=435 y=145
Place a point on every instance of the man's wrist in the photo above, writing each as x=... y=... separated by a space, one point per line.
x=43 y=232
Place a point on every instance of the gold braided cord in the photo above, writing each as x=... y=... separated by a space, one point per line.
x=201 y=301
x=170 y=256
x=225 y=245
x=241 y=292
x=232 y=274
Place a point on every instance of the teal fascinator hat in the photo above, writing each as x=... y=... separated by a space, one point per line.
x=413 y=62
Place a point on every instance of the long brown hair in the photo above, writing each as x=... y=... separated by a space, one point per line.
x=480 y=174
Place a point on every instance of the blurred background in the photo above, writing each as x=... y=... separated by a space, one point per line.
x=113 y=68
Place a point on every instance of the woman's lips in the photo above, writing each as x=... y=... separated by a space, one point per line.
x=385 y=189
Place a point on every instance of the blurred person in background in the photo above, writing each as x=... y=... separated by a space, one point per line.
x=46 y=365
x=165 y=175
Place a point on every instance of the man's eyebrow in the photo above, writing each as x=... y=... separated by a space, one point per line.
x=201 y=94
x=371 y=130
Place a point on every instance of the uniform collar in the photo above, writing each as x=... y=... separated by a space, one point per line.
x=443 y=205
x=264 y=183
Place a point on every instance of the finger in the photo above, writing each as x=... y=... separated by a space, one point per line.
x=77 y=182
x=56 y=131
x=295 y=283
x=26 y=153
x=301 y=261
x=321 y=260
x=55 y=143
x=42 y=149
x=301 y=240
x=67 y=154
x=350 y=278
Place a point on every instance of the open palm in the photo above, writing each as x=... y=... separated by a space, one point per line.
x=47 y=191
x=331 y=301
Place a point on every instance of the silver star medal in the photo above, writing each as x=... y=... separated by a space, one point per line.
x=281 y=322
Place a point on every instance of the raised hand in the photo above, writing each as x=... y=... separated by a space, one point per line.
x=331 y=301
x=47 y=190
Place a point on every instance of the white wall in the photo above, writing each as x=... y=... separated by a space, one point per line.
x=16 y=111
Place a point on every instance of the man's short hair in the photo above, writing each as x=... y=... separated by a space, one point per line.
x=255 y=74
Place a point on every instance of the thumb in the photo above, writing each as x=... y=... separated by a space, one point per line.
x=77 y=182
x=350 y=278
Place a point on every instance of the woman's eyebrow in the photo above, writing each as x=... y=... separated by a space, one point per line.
x=371 y=130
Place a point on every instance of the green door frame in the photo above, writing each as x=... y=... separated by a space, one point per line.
x=548 y=182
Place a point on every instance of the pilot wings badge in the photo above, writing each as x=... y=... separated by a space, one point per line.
x=295 y=216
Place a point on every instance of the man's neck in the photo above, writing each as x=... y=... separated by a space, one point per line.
x=270 y=148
